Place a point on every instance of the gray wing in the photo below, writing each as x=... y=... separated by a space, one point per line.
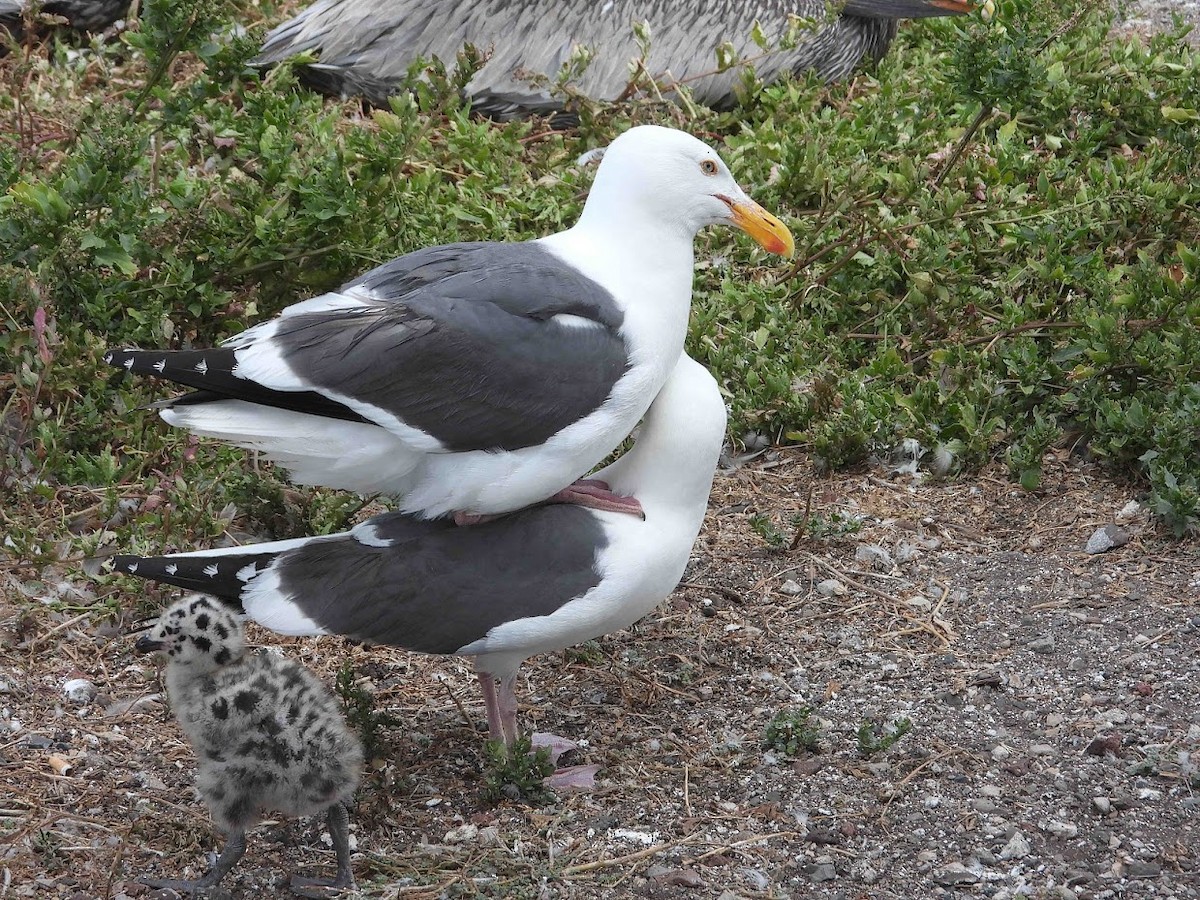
x=464 y=342
x=366 y=46
x=436 y=587
x=422 y=585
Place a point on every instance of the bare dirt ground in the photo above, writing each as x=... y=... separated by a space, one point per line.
x=1052 y=695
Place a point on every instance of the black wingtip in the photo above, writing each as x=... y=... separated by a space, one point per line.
x=125 y=564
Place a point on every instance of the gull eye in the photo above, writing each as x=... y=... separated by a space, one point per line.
x=708 y=166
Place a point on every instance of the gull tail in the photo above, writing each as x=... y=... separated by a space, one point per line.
x=224 y=573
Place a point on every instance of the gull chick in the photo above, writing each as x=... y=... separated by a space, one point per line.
x=267 y=732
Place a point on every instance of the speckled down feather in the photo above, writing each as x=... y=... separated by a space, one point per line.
x=267 y=733
x=366 y=46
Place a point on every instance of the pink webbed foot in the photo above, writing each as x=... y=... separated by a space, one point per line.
x=592 y=493
x=571 y=778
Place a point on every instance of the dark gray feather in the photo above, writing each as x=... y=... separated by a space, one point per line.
x=435 y=588
x=439 y=587
x=458 y=341
x=461 y=343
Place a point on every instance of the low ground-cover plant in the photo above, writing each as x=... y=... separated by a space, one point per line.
x=997 y=235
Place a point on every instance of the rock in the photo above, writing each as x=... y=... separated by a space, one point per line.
x=463 y=834
x=1102 y=805
x=1107 y=537
x=1041 y=749
x=953 y=874
x=875 y=556
x=831 y=587
x=1100 y=745
x=1061 y=829
x=1129 y=511
x=1043 y=644
x=755 y=441
x=823 y=871
x=1016 y=848
x=79 y=690
x=791 y=588
x=685 y=878
x=1139 y=869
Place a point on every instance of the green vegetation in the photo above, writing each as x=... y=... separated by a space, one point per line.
x=873 y=738
x=793 y=730
x=358 y=705
x=516 y=773
x=997 y=235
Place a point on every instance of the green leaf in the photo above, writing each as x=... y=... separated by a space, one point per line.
x=1180 y=114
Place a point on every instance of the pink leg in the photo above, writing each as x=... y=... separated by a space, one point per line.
x=593 y=493
x=487 y=682
x=507 y=704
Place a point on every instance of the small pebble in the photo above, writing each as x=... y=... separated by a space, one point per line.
x=1044 y=644
x=790 y=588
x=79 y=690
x=1107 y=537
x=831 y=587
x=823 y=872
x=875 y=556
x=1138 y=869
x=1129 y=511
x=1102 y=805
x=1062 y=829
x=955 y=874
x=1016 y=848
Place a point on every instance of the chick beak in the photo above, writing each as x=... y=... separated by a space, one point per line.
x=147 y=644
x=766 y=230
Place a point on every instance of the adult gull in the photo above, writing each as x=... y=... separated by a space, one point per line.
x=538 y=580
x=476 y=379
x=366 y=47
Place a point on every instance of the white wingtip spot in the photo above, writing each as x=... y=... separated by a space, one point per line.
x=108 y=358
x=246 y=572
x=171 y=569
x=160 y=365
x=129 y=363
x=202 y=367
x=211 y=570
x=133 y=567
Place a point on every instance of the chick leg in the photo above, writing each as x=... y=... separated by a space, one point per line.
x=339 y=829
x=234 y=848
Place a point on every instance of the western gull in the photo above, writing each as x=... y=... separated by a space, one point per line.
x=366 y=47
x=267 y=732
x=475 y=379
x=531 y=582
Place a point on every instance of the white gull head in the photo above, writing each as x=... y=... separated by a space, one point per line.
x=674 y=182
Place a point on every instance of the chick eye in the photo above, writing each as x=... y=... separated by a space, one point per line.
x=708 y=166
